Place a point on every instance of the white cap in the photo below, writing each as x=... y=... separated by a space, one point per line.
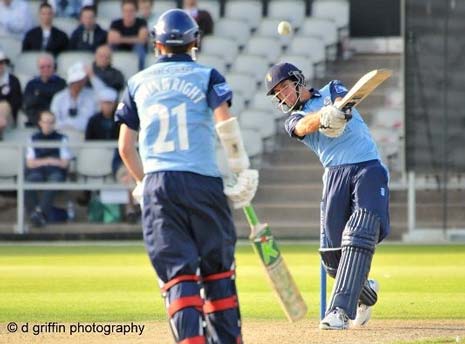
x=3 y=57
x=76 y=73
x=107 y=95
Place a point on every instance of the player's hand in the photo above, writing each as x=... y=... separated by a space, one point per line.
x=138 y=192
x=332 y=121
x=243 y=189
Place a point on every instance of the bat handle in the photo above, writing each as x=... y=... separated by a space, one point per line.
x=250 y=214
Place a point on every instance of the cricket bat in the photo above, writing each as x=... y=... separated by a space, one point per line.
x=363 y=87
x=281 y=280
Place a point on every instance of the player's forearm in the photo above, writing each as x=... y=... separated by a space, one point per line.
x=307 y=125
x=132 y=161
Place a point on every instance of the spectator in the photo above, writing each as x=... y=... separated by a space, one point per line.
x=146 y=12
x=41 y=89
x=45 y=36
x=45 y=165
x=88 y=35
x=69 y=8
x=74 y=105
x=102 y=126
x=14 y=18
x=129 y=33
x=202 y=17
x=10 y=95
x=103 y=69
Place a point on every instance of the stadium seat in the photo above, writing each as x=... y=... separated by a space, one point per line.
x=322 y=28
x=126 y=62
x=86 y=166
x=268 y=27
x=290 y=10
x=110 y=9
x=73 y=135
x=259 y=120
x=236 y=29
x=19 y=134
x=238 y=104
x=213 y=7
x=261 y=101
x=103 y=22
x=10 y=46
x=253 y=145
x=304 y=63
x=26 y=63
x=337 y=10
x=243 y=84
x=220 y=46
x=315 y=51
x=67 y=59
x=67 y=25
x=9 y=161
x=268 y=48
x=23 y=79
x=212 y=61
x=253 y=65
x=160 y=6
x=247 y=10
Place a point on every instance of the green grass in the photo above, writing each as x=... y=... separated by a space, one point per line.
x=116 y=283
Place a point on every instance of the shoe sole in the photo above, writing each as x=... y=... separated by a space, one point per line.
x=332 y=328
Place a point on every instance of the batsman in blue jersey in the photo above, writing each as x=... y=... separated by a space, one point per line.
x=355 y=202
x=175 y=107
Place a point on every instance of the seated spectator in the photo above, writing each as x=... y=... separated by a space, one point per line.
x=202 y=17
x=102 y=126
x=74 y=105
x=10 y=95
x=14 y=18
x=69 y=8
x=88 y=35
x=41 y=89
x=45 y=165
x=146 y=12
x=129 y=33
x=103 y=69
x=45 y=36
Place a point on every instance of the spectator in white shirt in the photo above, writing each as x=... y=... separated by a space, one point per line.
x=15 y=18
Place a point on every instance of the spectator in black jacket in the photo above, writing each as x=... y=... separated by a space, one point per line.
x=41 y=89
x=10 y=95
x=102 y=68
x=45 y=36
x=88 y=35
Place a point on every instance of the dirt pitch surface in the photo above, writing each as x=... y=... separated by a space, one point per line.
x=262 y=332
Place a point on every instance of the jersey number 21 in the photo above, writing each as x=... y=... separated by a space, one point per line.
x=178 y=113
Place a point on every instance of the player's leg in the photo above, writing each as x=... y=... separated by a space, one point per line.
x=216 y=237
x=174 y=255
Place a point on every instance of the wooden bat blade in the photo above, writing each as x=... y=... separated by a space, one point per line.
x=363 y=87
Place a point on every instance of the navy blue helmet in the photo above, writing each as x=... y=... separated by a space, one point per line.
x=280 y=72
x=175 y=28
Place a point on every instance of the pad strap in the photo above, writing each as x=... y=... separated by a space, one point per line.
x=193 y=340
x=179 y=279
x=212 y=306
x=219 y=276
x=185 y=302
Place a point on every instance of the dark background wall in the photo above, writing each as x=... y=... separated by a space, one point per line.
x=374 y=18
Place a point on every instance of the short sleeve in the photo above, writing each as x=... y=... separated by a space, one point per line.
x=126 y=112
x=65 y=153
x=218 y=90
x=30 y=152
x=337 y=89
x=291 y=123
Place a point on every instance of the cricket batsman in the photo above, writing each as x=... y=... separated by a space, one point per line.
x=175 y=107
x=355 y=201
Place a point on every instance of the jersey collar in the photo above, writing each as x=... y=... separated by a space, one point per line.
x=175 y=58
x=315 y=93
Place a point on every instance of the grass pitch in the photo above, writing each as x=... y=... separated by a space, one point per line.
x=116 y=283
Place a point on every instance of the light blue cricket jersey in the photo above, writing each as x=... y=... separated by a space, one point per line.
x=171 y=103
x=353 y=146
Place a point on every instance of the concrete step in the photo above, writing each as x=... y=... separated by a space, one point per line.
x=293 y=153
x=288 y=193
x=291 y=174
x=429 y=196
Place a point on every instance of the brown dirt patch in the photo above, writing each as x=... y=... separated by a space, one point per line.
x=266 y=332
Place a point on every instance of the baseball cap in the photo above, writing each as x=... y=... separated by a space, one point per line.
x=280 y=72
x=3 y=57
x=107 y=95
x=75 y=73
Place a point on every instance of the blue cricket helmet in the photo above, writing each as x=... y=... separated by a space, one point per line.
x=175 y=28
x=280 y=72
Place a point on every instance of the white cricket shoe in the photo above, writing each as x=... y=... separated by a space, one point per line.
x=336 y=320
x=364 y=311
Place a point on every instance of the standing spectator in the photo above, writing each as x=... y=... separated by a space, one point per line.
x=45 y=36
x=129 y=33
x=41 y=89
x=202 y=17
x=146 y=12
x=69 y=8
x=75 y=104
x=103 y=69
x=45 y=165
x=88 y=35
x=10 y=95
x=14 y=18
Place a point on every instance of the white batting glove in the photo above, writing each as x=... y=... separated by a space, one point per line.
x=332 y=121
x=138 y=192
x=243 y=190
